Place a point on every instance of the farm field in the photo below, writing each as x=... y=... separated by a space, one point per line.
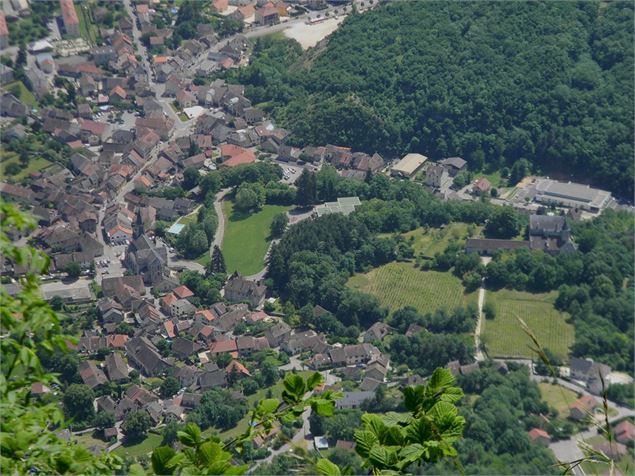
x=434 y=240
x=246 y=239
x=504 y=336
x=557 y=397
x=401 y=284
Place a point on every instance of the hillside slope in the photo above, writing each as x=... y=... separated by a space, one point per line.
x=490 y=81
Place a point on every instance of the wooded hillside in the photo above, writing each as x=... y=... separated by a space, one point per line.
x=493 y=82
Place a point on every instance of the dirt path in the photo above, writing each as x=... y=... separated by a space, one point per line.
x=478 y=353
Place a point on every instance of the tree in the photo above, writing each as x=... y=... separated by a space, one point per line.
x=20 y=59
x=136 y=425
x=170 y=433
x=190 y=178
x=249 y=197
x=279 y=224
x=169 y=387
x=73 y=270
x=13 y=168
x=307 y=189
x=103 y=420
x=57 y=303
x=217 y=263
x=519 y=171
x=78 y=402
x=489 y=311
x=503 y=223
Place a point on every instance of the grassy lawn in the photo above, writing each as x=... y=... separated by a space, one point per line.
x=430 y=241
x=494 y=178
x=504 y=336
x=24 y=96
x=400 y=284
x=87 y=440
x=557 y=397
x=140 y=449
x=246 y=238
x=35 y=165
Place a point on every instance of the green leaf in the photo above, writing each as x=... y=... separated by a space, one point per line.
x=381 y=457
x=294 y=389
x=393 y=436
x=374 y=424
x=440 y=378
x=211 y=452
x=364 y=441
x=413 y=396
x=160 y=458
x=242 y=469
x=326 y=468
x=190 y=436
x=314 y=381
x=410 y=454
x=323 y=407
x=136 y=469
x=268 y=405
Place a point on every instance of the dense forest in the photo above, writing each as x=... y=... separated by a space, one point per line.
x=493 y=82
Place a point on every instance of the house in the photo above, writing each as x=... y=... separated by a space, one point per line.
x=223 y=347
x=239 y=289
x=277 y=334
x=237 y=369
x=182 y=308
x=353 y=399
x=613 y=450
x=572 y=195
x=12 y=107
x=625 y=432
x=376 y=370
x=211 y=379
x=91 y=375
x=408 y=166
x=183 y=348
x=481 y=186
x=377 y=331
x=370 y=383
x=116 y=367
x=305 y=341
x=550 y=234
x=437 y=176
x=454 y=165
x=246 y=345
x=4 y=31
x=267 y=15
x=590 y=372
x=191 y=400
x=146 y=356
x=353 y=354
x=539 y=436
x=69 y=17
x=583 y=408
x=6 y=74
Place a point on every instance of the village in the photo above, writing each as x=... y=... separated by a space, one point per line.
x=141 y=117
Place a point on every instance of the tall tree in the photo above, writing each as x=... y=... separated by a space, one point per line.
x=307 y=189
x=217 y=264
x=78 y=402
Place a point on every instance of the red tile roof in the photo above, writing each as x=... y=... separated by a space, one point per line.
x=183 y=292
x=168 y=299
x=206 y=313
x=223 y=346
x=4 y=31
x=116 y=340
x=169 y=328
x=538 y=433
x=235 y=366
x=68 y=12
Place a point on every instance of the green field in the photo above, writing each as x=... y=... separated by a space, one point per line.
x=400 y=284
x=24 y=95
x=87 y=28
x=557 y=397
x=34 y=165
x=246 y=238
x=624 y=465
x=429 y=241
x=140 y=449
x=504 y=336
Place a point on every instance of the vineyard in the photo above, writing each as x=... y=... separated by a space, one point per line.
x=398 y=285
x=504 y=336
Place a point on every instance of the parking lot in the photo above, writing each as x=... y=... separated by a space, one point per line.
x=109 y=265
